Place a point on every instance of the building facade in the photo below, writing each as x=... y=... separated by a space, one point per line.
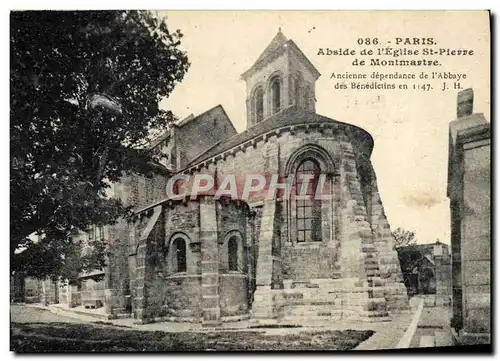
x=212 y=259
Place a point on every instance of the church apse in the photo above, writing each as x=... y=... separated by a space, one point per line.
x=312 y=242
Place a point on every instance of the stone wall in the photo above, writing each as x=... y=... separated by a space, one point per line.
x=443 y=280
x=196 y=136
x=231 y=217
x=469 y=190
x=356 y=240
x=233 y=294
x=270 y=157
x=182 y=291
x=163 y=290
x=140 y=191
x=277 y=67
x=117 y=272
x=180 y=297
x=475 y=247
x=304 y=262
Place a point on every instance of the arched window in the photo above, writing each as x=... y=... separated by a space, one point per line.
x=232 y=252
x=308 y=209
x=258 y=104
x=179 y=256
x=275 y=95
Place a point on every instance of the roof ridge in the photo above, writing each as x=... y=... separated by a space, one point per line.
x=187 y=121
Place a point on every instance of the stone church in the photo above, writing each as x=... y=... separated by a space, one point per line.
x=212 y=260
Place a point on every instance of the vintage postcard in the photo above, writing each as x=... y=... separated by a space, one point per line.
x=249 y=180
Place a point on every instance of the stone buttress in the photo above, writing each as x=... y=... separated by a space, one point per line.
x=370 y=282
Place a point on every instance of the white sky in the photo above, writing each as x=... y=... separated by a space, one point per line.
x=410 y=128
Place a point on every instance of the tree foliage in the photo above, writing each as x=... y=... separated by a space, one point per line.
x=403 y=237
x=66 y=146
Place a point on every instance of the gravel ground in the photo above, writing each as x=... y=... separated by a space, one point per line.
x=35 y=330
x=22 y=314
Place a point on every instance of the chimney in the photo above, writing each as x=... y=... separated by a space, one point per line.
x=465 y=102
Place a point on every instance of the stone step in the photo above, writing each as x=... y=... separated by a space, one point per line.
x=335 y=290
x=336 y=303
x=310 y=310
x=301 y=320
x=333 y=281
x=337 y=316
x=319 y=310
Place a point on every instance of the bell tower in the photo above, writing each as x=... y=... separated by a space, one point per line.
x=281 y=77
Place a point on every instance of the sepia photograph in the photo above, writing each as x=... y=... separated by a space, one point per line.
x=200 y=181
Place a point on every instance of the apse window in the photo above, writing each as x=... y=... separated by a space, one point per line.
x=232 y=250
x=308 y=211
x=179 y=248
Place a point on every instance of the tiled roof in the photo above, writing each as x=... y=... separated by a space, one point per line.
x=288 y=116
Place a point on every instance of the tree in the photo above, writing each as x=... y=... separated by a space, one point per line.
x=409 y=254
x=85 y=88
x=403 y=237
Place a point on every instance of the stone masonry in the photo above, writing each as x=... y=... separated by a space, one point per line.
x=469 y=190
x=213 y=260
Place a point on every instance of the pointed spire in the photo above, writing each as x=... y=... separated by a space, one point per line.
x=278 y=41
x=278 y=45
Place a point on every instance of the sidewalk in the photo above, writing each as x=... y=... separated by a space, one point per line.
x=389 y=334
x=433 y=328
